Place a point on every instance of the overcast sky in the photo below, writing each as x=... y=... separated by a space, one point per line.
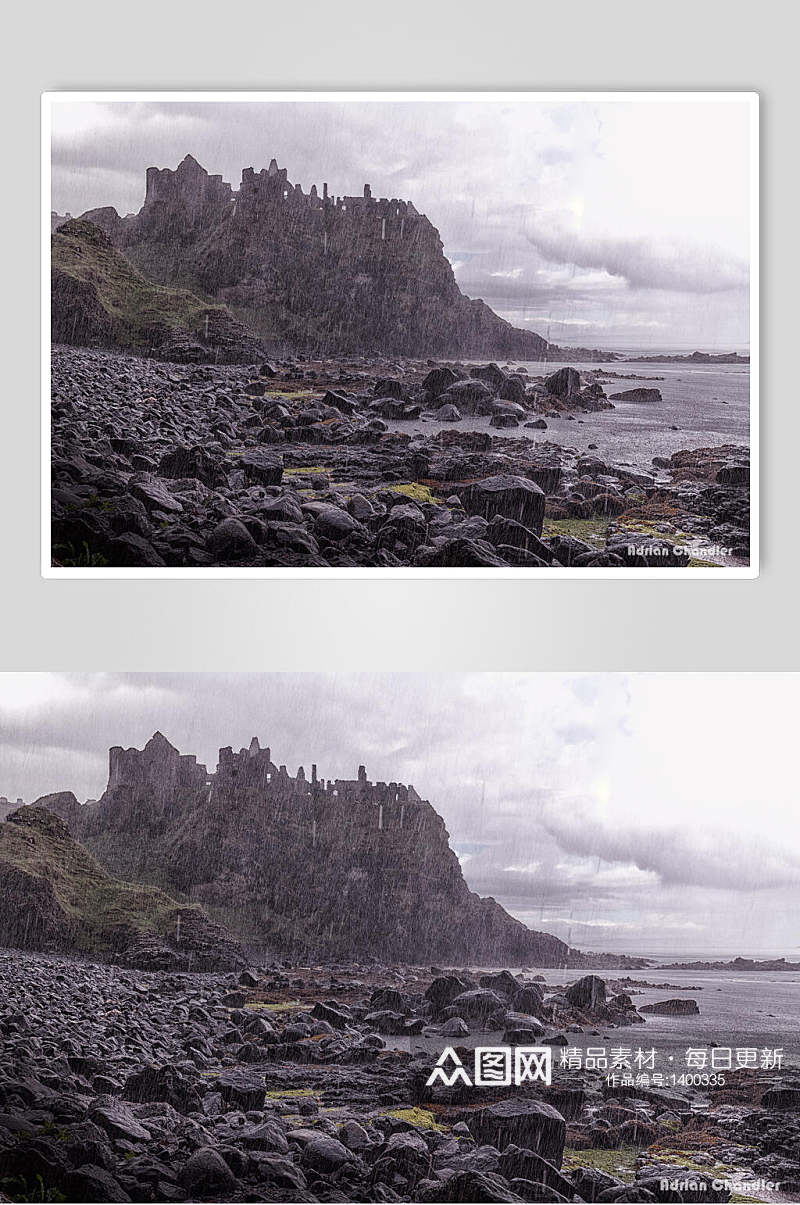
x=640 y=813
x=616 y=224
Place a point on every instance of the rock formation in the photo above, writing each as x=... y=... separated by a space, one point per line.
x=299 y=864
x=55 y=896
x=310 y=271
x=99 y=298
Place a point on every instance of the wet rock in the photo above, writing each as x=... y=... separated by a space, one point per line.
x=512 y=389
x=525 y=1123
x=500 y=981
x=456 y=1027
x=565 y=383
x=334 y=523
x=325 y=1154
x=527 y=999
x=444 y=989
x=154 y=494
x=192 y=462
x=508 y=496
x=587 y=993
x=590 y=1182
x=264 y=468
x=339 y=402
x=477 y=1004
x=637 y=395
x=505 y=532
x=118 y=1121
x=671 y=1008
x=492 y=374
x=467 y=1186
x=457 y=552
x=734 y=474
x=518 y=1163
x=206 y=1173
x=448 y=414
x=230 y=538
x=389 y=387
x=467 y=395
x=438 y=380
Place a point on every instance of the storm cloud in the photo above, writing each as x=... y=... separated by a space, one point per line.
x=646 y=264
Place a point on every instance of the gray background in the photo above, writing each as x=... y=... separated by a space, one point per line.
x=356 y=624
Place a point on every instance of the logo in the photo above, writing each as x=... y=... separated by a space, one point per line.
x=495 y=1067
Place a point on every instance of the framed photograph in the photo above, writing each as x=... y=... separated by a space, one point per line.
x=407 y=334
x=399 y=937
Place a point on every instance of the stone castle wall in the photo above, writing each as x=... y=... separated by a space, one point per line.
x=317 y=804
x=191 y=188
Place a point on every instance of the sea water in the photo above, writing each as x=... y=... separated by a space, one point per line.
x=738 y=1010
x=708 y=404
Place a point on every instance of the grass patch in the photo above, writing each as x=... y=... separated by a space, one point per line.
x=291 y=1093
x=417 y=492
x=19 y=1188
x=302 y=469
x=70 y=557
x=423 y=1119
x=619 y=1163
x=280 y=1007
x=591 y=531
x=276 y=394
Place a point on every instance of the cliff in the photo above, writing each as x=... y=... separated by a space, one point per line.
x=99 y=298
x=55 y=896
x=301 y=865
x=312 y=272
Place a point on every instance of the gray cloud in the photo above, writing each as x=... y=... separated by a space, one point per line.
x=645 y=263
x=697 y=857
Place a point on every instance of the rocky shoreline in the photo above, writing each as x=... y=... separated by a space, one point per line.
x=292 y=464
x=309 y=1083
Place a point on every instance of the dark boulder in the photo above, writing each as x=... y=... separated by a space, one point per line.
x=520 y=1122
x=388 y=387
x=637 y=395
x=500 y=981
x=518 y=1163
x=478 y=1004
x=339 y=402
x=458 y=552
x=527 y=997
x=511 y=497
x=588 y=992
x=468 y=396
x=444 y=989
x=438 y=380
x=671 y=1008
x=264 y=468
x=230 y=538
x=205 y=1173
x=491 y=374
x=512 y=389
x=566 y=383
x=192 y=462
